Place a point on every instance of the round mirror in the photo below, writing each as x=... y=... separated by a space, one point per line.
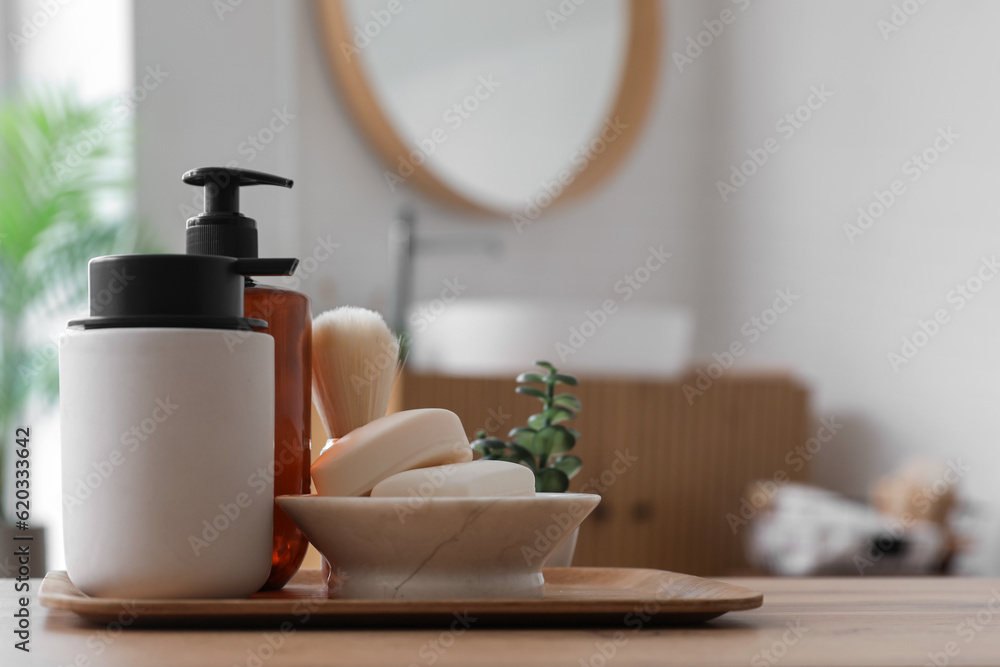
x=498 y=105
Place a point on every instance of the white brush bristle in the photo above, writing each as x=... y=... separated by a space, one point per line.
x=354 y=359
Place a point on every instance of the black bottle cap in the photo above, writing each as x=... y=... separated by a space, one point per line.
x=221 y=229
x=198 y=291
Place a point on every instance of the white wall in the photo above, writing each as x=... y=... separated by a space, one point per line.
x=783 y=229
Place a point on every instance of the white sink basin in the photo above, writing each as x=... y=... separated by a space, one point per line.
x=504 y=337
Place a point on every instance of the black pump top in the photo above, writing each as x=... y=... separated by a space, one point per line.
x=221 y=229
x=201 y=291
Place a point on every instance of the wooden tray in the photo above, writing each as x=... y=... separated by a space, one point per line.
x=573 y=596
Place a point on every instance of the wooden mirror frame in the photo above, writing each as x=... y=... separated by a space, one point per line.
x=632 y=102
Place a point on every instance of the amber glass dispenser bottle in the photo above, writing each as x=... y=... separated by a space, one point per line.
x=222 y=230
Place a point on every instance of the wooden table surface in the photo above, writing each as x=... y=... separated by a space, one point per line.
x=858 y=621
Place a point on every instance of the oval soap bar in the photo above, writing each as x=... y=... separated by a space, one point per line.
x=355 y=463
x=472 y=479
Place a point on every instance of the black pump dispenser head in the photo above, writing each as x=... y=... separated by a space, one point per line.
x=221 y=229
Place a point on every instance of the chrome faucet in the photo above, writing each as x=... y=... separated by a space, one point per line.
x=404 y=246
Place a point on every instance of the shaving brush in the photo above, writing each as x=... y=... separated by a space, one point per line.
x=354 y=359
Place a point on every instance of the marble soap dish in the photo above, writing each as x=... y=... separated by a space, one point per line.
x=438 y=548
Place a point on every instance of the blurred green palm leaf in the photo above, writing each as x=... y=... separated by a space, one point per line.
x=60 y=166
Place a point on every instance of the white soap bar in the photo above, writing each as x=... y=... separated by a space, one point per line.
x=465 y=480
x=355 y=463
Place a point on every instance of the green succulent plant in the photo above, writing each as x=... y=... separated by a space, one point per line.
x=543 y=444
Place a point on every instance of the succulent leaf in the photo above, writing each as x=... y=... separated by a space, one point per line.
x=531 y=391
x=551 y=480
x=522 y=455
x=568 y=401
x=557 y=414
x=553 y=440
x=564 y=378
x=569 y=464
